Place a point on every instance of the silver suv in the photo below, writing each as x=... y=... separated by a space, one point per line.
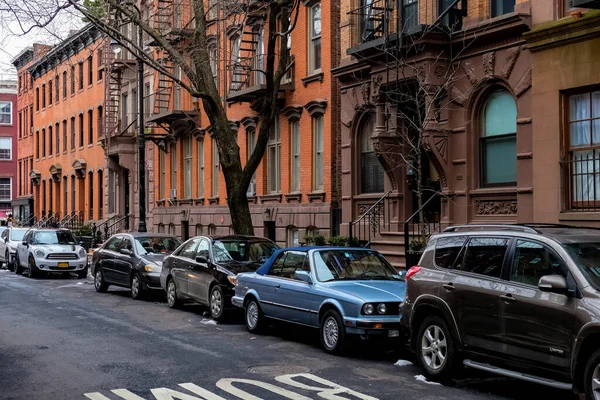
x=517 y=300
x=50 y=250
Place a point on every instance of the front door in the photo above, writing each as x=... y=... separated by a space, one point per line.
x=472 y=289
x=537 y=327
x=201 y=275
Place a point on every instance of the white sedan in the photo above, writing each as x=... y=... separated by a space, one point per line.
x=9 y=239
x=50 y=250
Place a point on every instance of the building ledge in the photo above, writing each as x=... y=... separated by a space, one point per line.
x=199 y=201
x=564 y=31
x=316 y=197
x=293 y=197
x=271 y=198
x=580 y=216
x=213 y=200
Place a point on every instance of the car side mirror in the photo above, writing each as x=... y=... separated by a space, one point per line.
x=25 y=243
x=303 y=276
x=553 y=284
x=126 y=252
x=201 y=260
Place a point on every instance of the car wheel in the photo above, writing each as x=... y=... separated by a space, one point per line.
x=216 y=303
x=255 y=320
x=32 y=270
x=99 y=284
x=333 y=333
x=83 y=273
x=18 y=268
x=173 y=300
x=591 y=377
x=137 y=290
x=435 y=348
x=10 y=266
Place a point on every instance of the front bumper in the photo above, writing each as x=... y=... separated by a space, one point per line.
x=237 y=301
x=44 y=264
x=151 y=280
x=378 y=325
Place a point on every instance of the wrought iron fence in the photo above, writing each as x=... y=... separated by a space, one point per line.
x=372 y=222
x=582 y=181
x=113 y=225
x=417 y=231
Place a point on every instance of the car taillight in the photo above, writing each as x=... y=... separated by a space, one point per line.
x=412 y=271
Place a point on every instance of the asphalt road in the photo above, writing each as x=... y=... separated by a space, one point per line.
x=59 y=339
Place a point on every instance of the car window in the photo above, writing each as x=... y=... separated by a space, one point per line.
x=127 y=244
x=114 y=243
x=335 y=264
x=4 y=234
x=533 y=260
x=294 y=261
x=17 y=234
x=586 y=255
x=485 y=256
x=277 y=267
x=27 y=236
x=189 y=249
x=203 y=249
x=53 y=237
x=156 y=244
x=447 y=250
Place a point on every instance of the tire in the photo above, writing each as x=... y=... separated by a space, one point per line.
x=18 y=267
x=99 y=284
x=333 y=332
x=253 y=315
x=591 y=374
x=435 y=349
x=83 y=273
x=10 y=266
x=173 y=300
x=137 y=287
x=32 y=270
x=216 y=303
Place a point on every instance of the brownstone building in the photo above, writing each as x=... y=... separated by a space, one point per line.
x=456 y=84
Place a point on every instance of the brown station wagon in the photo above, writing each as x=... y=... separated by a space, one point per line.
x=517 y=300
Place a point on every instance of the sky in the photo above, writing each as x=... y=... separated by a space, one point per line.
x=13 y=41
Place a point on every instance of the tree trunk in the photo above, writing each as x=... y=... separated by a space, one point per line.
x=241 y=219
x=420 y=190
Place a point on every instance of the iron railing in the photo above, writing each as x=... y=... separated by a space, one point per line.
x=113 y=225
x=582 y=181
x=73 y=221
x=417 y=232
x=374 y=17
x=372 y=222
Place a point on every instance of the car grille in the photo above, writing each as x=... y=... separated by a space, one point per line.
x=62 y=256
x=71 y=267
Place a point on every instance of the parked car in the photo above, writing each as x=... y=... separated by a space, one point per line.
x=521 y=301
x=50 y=250
x=132 y=260
x=9 y=239
x=204 y=269
x=342 y=291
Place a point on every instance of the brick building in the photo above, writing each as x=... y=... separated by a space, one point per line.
x=294 y=191
x=68 y=162
x=8 y=145
x=455 y=77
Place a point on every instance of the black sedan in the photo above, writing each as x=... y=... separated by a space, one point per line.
x=132 y=260
x=204 y=269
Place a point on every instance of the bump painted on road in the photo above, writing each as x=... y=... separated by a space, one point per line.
x=278 y=369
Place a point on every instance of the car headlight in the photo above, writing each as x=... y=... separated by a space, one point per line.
x=381 y=308
x=82 y=253
x=152 y=268
x=233 y=279
x=39 y=253
x=368 y=309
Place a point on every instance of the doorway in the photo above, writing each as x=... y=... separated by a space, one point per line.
x=126 y=195
x=185 y=230
x=270 y=230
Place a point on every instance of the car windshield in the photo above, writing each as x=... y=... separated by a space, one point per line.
x=244 y=251
x=52 y=237
x=338 y=265
x=17 y=234
x=156 y=244
x=587 y=258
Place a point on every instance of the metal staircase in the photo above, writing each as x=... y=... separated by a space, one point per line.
x=163 y=16
x=112 y=94
x=164 y=87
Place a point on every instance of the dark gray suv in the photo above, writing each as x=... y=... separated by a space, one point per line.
x=516 y=300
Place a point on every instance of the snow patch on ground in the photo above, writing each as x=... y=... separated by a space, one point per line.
x=421 y=378
x=208 y=322
x=403 y=363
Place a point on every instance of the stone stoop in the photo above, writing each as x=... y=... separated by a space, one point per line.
x=391 y=245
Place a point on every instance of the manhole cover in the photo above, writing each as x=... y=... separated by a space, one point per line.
x=278 y=369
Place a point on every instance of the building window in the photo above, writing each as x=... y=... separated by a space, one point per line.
x=90 y=126
x=43 y=96
x=171 y=229
x=124 y=111
x=213 y=53
x=72 y=79
x=295 y=155
x=73 y=194
x=6 y=112
x=163 y=174
x=57 y=88
x=72 y=133
x=37 y=99
x=274 y=159
x=64 y=135
x=147 y=100
x=134 y=111
x=293 y=239
x=198 y=230
x=215 y=172
x=250 y=145
x=501 y=7
x=81 y=134
x=43 y=142
x=37 y=144
x=584 y=152
x=80 y=76
x=100 y=63
x=91 y=194
x=5 y=189
x=187 y=167
x=258 y=62
x=64 y=84
x=314 y=38
x=410 y=14
x=57 y=134
x=200 y=169
x=318 y=152
x=212 y=229
x=100 y=121
x=100 y=194
x=5 y=148
x=20 y=182
x=90 y=70
x=65 y=196
x=20 y=123
x=174 y=170
x=498 y=143
x=50 y=92
x=237 y=75
x=371 y=171
x=50 y=140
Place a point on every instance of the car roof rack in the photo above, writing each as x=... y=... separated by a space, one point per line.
x=509 y=227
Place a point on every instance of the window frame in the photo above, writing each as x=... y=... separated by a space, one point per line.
x=10 y=149
x=216 y=168
x=250 y=146
x=513 y=254
x=10 y=113
x=313 y=38
x=274 y=164
x=508 y=256
x=318 y=152
x=200 y=161
x=363 y=135
x=187 y=166
x=295 y=156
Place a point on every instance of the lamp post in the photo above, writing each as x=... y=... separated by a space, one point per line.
x=141 y=138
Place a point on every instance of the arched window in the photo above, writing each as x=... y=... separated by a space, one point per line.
x=498 y=143
x=198 y=229
x=293 y=240
x=171 y=229
x=371 y=171
x=161 y=228
x=212 y=229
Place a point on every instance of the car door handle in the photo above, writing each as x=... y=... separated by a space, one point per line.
x=449 y=286
x=507 y=298
x=277 y=286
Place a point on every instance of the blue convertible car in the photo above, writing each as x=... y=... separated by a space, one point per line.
x=339 y=290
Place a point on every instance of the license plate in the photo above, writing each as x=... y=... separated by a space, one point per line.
x=63 y=265
x=393 y=333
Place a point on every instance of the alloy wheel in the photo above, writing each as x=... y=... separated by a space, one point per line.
x=434 y=348
x=252 y=315
x=98 y=280
x=596 y=382
x=216 y=303
x=135 y=286
x=171 y=295
x=330 y=332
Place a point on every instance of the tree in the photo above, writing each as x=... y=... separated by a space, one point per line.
x=192 y=55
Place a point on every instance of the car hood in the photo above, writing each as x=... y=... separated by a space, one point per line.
x=155 y=258
x=371 y=290
x=58 y=248
x=238 y=267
